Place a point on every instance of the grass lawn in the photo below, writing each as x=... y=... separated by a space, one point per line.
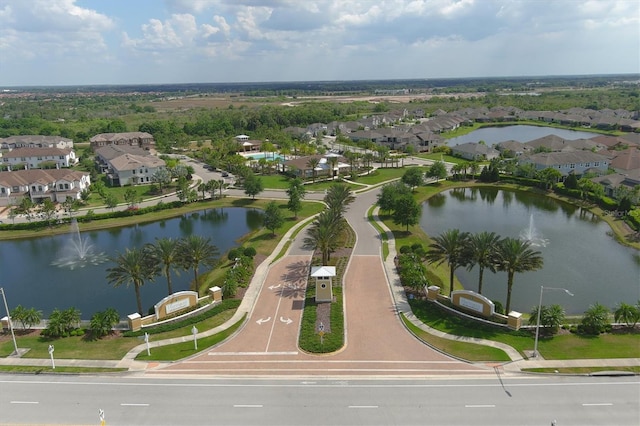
x=185 y=349
x=58 y=369
x=463 y=350
x=566 y=346
x=382 y=175
x=582 y=370
x=444 y=157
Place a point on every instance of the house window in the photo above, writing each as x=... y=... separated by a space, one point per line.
x=66 y=186
x=33 y=188
x=40 y=158
x=587 y=164
x=134 y=172
x=2 y=191
x=15 y=189
x=60 y=186
x=596 y=164
x=62 y=157
x=572 y=166
x=23 y=159
x=39 y=188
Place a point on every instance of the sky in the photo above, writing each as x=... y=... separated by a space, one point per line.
x=80 y=42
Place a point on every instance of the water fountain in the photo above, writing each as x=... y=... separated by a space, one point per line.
x=532 y=235
x=78 y=252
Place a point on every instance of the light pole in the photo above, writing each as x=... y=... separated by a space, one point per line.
x=542 y=289
x=6 y=307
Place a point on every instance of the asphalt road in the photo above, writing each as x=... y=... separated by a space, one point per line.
x=76 y=400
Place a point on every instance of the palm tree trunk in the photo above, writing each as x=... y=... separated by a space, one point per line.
x=480 y=280
x=168 y=274
x=137 y=286
x=451 y=275
x=195 y=279
x=509 y=287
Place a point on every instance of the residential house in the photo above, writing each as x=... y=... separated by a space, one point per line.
x=576 y=162
x=38 y=158
x=626 y=160
x=475 y=151
x=613 y=181
x=300 y=166
x=36 y=141
x=55 y=184
x=128 y=165
x=140 y=139
x=514 y=147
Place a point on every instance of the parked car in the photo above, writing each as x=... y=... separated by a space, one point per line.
x=225 y=174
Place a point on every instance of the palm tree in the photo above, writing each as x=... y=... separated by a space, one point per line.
x=164 y=252
x=324 y=233
x=221 y=186
x=450 y=247
x=482 y=252
x=338 y=197
x=515 y=255
x=134 y=266
x=194 y=251
x=312 y=164
x=202 y=187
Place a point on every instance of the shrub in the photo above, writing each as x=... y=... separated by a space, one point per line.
x=102 y=322
x=628 y=314
x=405 y=250
x=233 y=253
x=595 y=320
x=250 y=252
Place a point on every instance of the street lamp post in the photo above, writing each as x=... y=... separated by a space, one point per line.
x=542 y=289
x=6 y=307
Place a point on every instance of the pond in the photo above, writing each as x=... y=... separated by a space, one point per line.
x=579 y=253
x=520 y=133
x=31 y=278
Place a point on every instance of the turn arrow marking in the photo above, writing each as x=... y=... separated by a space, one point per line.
x=262 y=320
x=286 y=321
x=273 y=287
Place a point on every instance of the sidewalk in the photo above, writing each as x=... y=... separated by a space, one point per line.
x=516 y=364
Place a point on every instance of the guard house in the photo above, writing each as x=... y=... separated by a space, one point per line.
x=323 y=276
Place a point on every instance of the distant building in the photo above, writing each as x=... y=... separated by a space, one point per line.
x=140 y=139
x=56 y=185
x=576 y=162
x=125 y=165
x=36 y=141
x=38 y=158
x=475 y=151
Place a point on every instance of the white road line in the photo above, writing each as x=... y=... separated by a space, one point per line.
x=248 y=406
x=124 y=404
x=274 y=323
x=598 y=404
x=480 y=406
x=363 y=406
x=252 y=353
x=24 y=402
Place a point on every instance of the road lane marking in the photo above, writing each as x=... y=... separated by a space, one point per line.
x=363 y=406
x=253 y=353
x=124 y=404
x=24 y=402
x=598 y=404
x=480 y=406
x=248 y=406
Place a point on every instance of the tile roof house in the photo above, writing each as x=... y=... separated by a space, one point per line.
x=140 y=139
x=614 y=181
x=517 y=148
x=128 y=165
x=299 y=166
x=475 y=151
x=576 y=162
x=626 y=160
x=56 y=185
x=36 y=141
x=37 y=158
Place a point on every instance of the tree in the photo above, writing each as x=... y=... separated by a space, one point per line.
x=103 y=322
x=134 y=266
x=202 y=187
x=515 y=255
x=413 y=177
x=47 y=211
x=450 y=247
x=407 y=211
x=628 y=314
x=482 y=252
x=437 y=170
x=162 y=177
x=195 y=251
x=182 y=191
x=571 y=182
x=296 y=193
x=389 y=193
x=551 y=317
x=595 y=319
x=253 y=185
x=333 y=162
x=273 y=217
x=312 y=164
x=549 y=177
x=164 y=253
x=27 y=317
x=131 y=197
x=324 y=233
x=338 y=197
x=111 y=201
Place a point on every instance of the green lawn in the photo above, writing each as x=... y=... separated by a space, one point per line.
x=446 y=158
x=567 y=346
x=382 y=175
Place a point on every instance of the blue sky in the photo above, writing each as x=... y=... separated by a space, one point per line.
x=72 y=42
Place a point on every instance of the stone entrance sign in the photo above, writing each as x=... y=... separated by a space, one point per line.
x=176 y=302
x=474 y=302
